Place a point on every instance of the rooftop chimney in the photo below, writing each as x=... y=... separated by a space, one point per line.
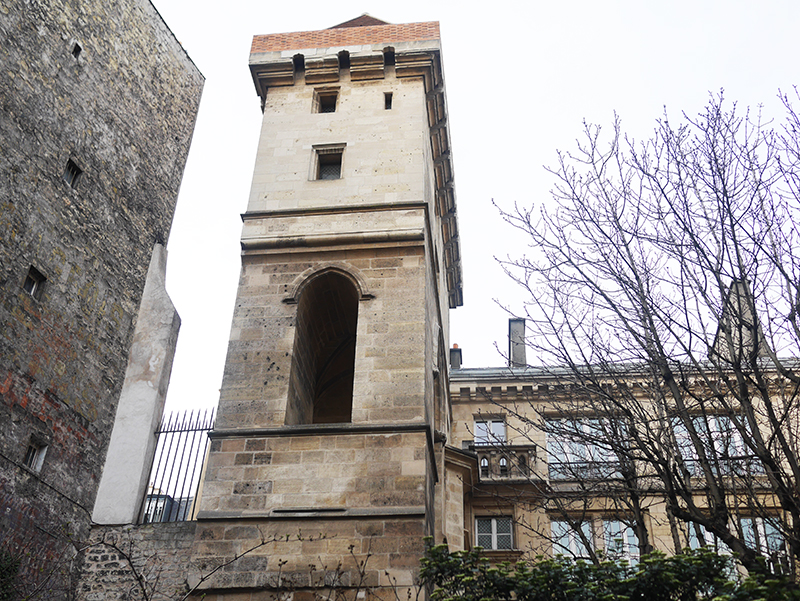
x=516 y=343
x=455 y=357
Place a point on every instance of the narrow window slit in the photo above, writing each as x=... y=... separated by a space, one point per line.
x=72 y=173
x=34 y=283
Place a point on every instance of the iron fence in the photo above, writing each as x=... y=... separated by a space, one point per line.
x=177 y=466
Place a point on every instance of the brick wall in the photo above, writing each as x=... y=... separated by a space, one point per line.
x=349 y=36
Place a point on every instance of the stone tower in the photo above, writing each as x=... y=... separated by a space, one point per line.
x=98 y=102
x=334 y=392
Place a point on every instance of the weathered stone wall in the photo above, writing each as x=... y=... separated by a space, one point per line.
x=106 y=86
x=249 y=476
x=305 y=556
x=383 y=156
x=366 y=484
x=389 y=363
x=121 y=560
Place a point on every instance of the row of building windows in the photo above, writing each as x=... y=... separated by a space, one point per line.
x=618 y=541
x=575 y=449
x=328 y=158
x=325 y=100
x=615 y=538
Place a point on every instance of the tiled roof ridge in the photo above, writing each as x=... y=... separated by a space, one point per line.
x=347 y=36
x=363 y=20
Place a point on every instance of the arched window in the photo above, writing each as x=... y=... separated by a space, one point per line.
x=484 y=468
x=323 y=357
x=523 y=465
x=503 y=466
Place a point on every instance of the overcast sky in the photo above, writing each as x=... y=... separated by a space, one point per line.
x=521 y=77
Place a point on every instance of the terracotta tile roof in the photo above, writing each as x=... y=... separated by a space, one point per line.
x=346 y=36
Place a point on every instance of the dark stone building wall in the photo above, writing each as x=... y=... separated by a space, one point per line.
x=105 y=87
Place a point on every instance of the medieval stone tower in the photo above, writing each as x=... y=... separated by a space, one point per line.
x=334 y=395
x=97 y=109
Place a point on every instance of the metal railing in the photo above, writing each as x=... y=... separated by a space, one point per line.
x=583 y=470
x=177 y=466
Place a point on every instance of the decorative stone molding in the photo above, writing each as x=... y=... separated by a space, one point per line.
x=342 y=268
x=366 y=66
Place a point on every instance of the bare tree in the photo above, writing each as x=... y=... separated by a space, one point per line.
x=664 y=286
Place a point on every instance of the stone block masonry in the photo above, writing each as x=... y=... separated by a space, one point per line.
x=321 y=468
x=129 y=562
x=97 y=108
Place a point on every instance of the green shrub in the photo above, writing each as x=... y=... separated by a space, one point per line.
x=688 y=576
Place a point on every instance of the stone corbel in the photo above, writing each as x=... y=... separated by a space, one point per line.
x=322 y=70
x=416 y=64
x=267 y=75
x=369 y=66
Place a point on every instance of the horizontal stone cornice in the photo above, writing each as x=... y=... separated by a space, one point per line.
x=330 y=227
x=317 y=240
x=334 y=210
x=318 y=430
x=315 y=513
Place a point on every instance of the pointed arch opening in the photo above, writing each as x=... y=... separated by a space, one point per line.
x=323 y=359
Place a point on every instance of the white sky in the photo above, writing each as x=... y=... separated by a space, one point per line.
x=520 y=79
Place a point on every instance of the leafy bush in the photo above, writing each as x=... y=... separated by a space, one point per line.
x=688 y=576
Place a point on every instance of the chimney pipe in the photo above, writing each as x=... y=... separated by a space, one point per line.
x=455 y=357
x=516 y=343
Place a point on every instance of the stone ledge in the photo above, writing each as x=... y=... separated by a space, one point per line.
x=281 y=242
x=319 y=430
x=313 y=513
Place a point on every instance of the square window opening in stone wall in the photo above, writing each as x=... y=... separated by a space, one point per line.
x=325 y=101
x=34 y=283
x=34 y=455
x=76 y=50
x=328 y=162
x=387 y=101
x=494 y=533
x=72 y=173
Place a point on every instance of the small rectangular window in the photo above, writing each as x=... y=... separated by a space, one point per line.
x=328 y=162
x=330 y=166
x=34 y=283
x=568 y=541
x=387 y=101
x=72 y=173
x=34 y=456
x=490 y=432
x=325 y=101
x=494 y=533
x=620 y=542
